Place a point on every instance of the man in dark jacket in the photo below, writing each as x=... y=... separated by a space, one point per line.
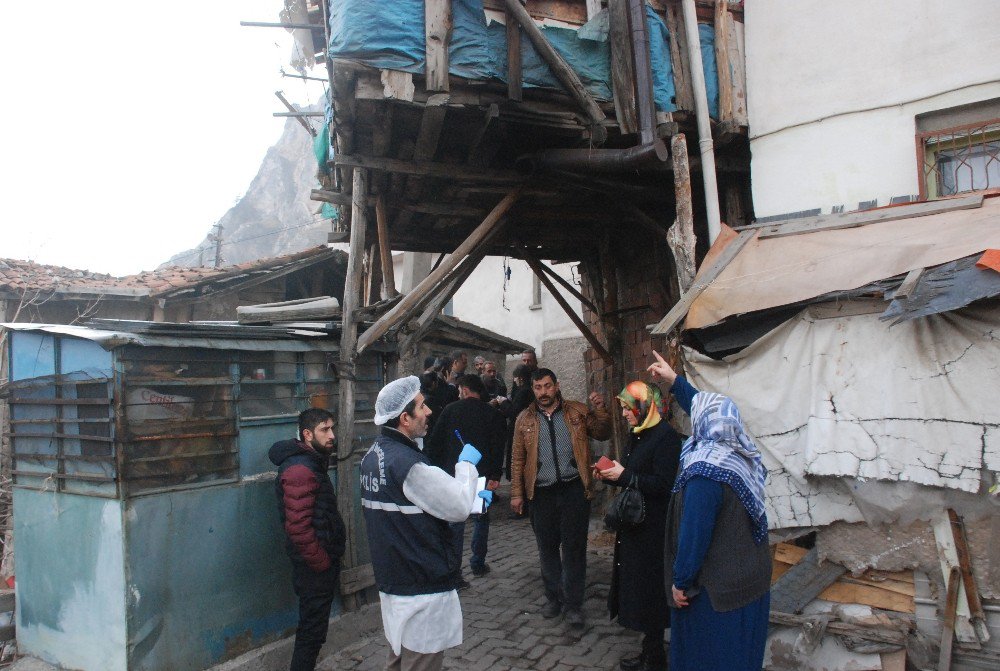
x=314 y=530
x=482 y=426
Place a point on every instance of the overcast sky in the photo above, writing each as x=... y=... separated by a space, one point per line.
x=129 y=128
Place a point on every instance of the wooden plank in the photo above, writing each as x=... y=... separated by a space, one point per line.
x=515 y=78
x=893 y=661
x=829 y=222
x=909 y=283
x=683 y=93
x=598 y=346
x=593 y=8
x=868 y=595
x=681 y=238
x=948 y=556
x=428 y=169
x=568 y=77
x=385 y=249
x=737 y=64
x=437 y=33
x=722 y=61
x=356 y=579
x=417 y=298
x=397 y=85
x=803 y=582
x=622 y=67
x=878 y=634
x=701 y=282
x=431 y=123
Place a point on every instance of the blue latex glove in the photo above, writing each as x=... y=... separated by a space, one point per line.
x=470 y=454
x=487 y=496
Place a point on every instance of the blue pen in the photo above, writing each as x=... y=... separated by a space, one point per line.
x=459 y=436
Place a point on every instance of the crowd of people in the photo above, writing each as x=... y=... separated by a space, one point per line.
x=694 y=560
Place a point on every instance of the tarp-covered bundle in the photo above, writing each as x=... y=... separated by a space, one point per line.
x=390 y=35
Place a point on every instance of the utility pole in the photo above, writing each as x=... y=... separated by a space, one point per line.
x=217 y=238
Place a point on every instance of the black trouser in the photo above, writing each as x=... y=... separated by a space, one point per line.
x=560 y=516
x=316 y=592
x=653 y=650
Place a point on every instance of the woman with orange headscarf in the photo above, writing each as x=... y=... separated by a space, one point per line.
x=638 y=596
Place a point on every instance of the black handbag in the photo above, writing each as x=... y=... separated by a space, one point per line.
x=628 y=509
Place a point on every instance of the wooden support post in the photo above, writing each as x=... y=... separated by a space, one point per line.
x=416 y=299
x=598 y=346
x=722 y=61
x=346 y=483
x=385 y=249
x=680 y=64
x=954 y=578
x=296 y=114
x=622 y=67
x=492 y=112
x=437 y=32
x=566 y=75
x=611 y=323
x=680 y=237
x=514 y=75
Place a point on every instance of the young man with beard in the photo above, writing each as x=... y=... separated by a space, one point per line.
x=314 y=530
x=551 y=467
x=408 y=504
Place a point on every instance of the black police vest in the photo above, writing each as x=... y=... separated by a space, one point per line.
x=409 y=548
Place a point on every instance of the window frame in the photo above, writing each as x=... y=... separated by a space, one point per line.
x=926 y=153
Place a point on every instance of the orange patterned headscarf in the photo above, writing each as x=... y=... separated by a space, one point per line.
x=645 y=402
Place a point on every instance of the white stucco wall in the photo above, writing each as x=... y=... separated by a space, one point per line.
x=833 y=89
x=481 y=301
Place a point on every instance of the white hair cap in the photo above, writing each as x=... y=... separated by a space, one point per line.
x=393 y=397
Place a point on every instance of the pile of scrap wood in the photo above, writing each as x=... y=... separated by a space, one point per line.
x=826 y=617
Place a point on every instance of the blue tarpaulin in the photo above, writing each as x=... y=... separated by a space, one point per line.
x=390 y=35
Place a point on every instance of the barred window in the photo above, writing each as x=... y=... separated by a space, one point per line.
x=958 y=149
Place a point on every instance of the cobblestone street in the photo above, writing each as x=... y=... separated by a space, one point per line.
x=503 y=628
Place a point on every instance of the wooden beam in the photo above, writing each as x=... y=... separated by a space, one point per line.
x=385 y=249
x=430 y=313
x=437 y=33
x=431 y=122
x=561 y=69
x=722 y=61
x=683 y=94
x=948 y=621
x=428 y=169
x=569 y=287
x=829 y=222
x=878 y=634
x=701 y=282
x=593 y=8
x=514 y=74
x=416 y=299
x=536 y=266
x=492 y=112
x=355 y=579
x=295 y=113
x=908 y=284
x=622 y=67
x=348 y=356
x=680 y=237
x=977 y=615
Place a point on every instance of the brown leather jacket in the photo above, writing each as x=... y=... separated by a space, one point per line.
x=583 y=422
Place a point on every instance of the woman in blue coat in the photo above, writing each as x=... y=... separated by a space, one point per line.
x=717 y=561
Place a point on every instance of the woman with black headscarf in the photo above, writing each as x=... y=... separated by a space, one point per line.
x=638 y=597
x=717 y=559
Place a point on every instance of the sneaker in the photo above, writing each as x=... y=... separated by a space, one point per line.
x=462 y=584
x=480 y=571
x=551 y=609
x=574 y=618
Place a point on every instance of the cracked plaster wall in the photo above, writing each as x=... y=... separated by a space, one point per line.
x=838 y=403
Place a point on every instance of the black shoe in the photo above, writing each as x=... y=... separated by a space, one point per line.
x=551 y=609
x=631 y=663
x=574 y=618
x=649 y=665
x=462 y=583
x=480 y=571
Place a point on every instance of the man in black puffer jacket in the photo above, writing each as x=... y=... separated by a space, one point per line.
x=314 y=530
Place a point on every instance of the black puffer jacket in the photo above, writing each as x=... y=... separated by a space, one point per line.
x=314 y=531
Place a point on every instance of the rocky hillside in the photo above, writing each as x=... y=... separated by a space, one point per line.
x=275 y=215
